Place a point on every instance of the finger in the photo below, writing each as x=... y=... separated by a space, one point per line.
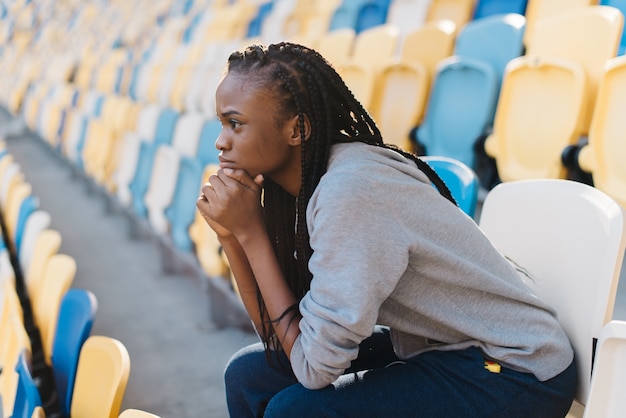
x=240 y=176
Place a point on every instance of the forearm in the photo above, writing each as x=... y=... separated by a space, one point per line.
x=246 y=283
x=275 y=292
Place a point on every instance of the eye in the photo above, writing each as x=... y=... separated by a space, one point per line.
x=234 y=124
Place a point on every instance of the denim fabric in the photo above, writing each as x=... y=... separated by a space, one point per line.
x=434 y=384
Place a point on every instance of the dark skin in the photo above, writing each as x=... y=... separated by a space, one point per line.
x=253 y=146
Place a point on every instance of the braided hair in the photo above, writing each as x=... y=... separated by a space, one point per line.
x=306 y=85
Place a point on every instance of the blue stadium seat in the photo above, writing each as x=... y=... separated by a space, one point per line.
x=256 y=23
x=28 y=206
x=371 y=14
x=346 y=14
x=460 y=108
x=27 y=396
x=182 y=211
x=76 y=315
x=460 y=179
x=495 y=40
x=207 y=153
x=486 y=8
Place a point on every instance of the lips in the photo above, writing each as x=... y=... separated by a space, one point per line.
x=224 y=163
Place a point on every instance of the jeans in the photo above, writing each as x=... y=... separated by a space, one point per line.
x=433 y=384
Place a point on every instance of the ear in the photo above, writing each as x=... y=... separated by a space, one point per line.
x=294 y=124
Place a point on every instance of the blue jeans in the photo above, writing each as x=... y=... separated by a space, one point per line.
x=433 y=384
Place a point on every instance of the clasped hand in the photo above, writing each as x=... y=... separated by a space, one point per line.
x=230 y=202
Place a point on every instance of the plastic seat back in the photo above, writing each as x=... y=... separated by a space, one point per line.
x=360 y=80
x=407 y=15
x=47 y=244
x=15 y=341
x=430 y=44
x=181 y=212
x=576 y=263
x=206 y=152
x=20 y=191
x=38 y=221
x=375 y=47
x=346 y=14
x=606 y=398
x=537 y=117
x=127 y=164
x=372 y=14
x=137 y=413
x=162 y=187
x=459 y=11
x=29 y=205
x=27 y=396
x=460 y=179
x=603 y=155
x=621 y=6
x=459 y=110
x=187 y=133
x=101 y=378
x=495 y=40
x=58 y=278
x=562 y=36
x=486 y=8
x=76 y=315
x=336 y=46
x=403 y=89
x=537 y=10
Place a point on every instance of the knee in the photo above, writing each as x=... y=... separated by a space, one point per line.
x=240 y=366
x=294 y=401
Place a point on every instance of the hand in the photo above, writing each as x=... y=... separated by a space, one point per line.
x=231 y=202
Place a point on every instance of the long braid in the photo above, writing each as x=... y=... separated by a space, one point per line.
x=305 y=84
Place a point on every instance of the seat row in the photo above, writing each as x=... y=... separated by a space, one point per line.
x=51 y=364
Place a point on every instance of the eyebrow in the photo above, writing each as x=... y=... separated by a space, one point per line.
x=230 y=113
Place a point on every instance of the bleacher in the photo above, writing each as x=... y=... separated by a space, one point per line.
x=123 y=92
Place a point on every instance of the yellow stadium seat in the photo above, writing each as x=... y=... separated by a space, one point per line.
x=401 y=94
x=458 y=11
x=101 y=378
x=58 y=277
x=207 y=247
x=588 y=35
x=538 y=9
x=604 y=154
x=14 y=342
x=47 y=243
x=429 y=44
x=360 y=79
x=336 y=46
x=20 y=191
x=537 y=117
x=375 y=47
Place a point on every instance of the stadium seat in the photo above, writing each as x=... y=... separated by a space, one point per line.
x=407 y=15
x=459 y=111
x=560 y=36
x=603 y=155
x=537 y=117
x=15 y=340
x=361 y=80
x=375 y=47
x=336 y=46
x=460 y=179
x=137 y=413
x=429 y=44
x=346 y=14
x=76 y=315
x=537 y=10
x=101 y=378
x=621 y=6
x=486 y=8
x=47 y=244
x=574 y=266
x=27 y=396
x=161 y=187
x=37 y=222
x=606 y=396
x=372 y=14
x=402 y=90
x=459 y=11
x=58 y=277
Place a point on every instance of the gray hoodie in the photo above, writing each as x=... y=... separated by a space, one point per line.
x=388 y=249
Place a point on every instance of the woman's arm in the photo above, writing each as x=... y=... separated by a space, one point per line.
x=230 y=203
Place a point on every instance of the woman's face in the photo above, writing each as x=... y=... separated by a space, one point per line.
x=251 y=138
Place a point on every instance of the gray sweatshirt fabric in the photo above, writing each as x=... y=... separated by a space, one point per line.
x=390 y=250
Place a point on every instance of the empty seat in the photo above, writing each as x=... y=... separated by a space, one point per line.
x=537 y=117
x=459 y=11
x=486 y=8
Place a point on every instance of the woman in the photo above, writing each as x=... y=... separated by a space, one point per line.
x=373 y=294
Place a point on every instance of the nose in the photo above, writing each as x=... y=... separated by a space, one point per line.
x=222 y=142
